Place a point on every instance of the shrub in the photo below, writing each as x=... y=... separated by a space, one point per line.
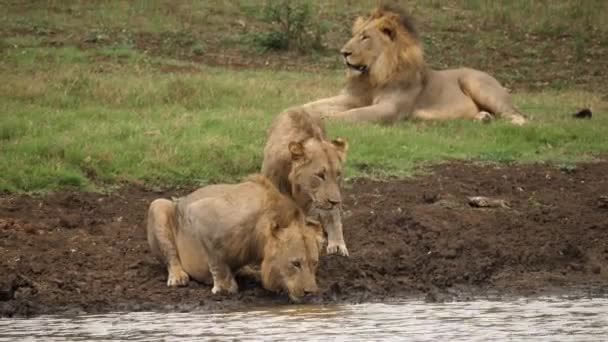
x=292 y=26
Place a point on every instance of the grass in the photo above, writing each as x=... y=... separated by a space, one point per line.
x=549 y=16
x=71 y=126
x=90 y=116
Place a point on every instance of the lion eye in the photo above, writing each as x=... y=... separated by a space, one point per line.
x=296 y=264
x=321 y=175
x=364 y=37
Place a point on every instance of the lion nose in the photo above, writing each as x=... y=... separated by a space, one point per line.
x=346 y=53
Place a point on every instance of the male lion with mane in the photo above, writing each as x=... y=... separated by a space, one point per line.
x=387 y=80
x=305 y=165
x=218 y=229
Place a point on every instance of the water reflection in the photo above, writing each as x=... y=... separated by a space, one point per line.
x=522 y=319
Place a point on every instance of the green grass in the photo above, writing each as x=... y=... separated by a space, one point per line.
x=68 y=125
x=91 y=116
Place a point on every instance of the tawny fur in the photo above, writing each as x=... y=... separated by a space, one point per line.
x=213 y=232
x=304 y=164
x=388 y=80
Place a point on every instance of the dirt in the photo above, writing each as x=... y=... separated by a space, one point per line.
x=74 y=252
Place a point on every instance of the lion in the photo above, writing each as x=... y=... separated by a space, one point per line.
x=305 y=165
x=388 y=81
x=213 y=232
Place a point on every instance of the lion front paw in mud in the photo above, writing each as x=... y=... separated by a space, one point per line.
x=337 y=248
x=177 y=277
x=218 y=229
x=222 y=288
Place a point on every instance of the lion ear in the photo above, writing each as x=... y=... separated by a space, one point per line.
x=297 y=150
x=341 y=146
x=388 y=25
x=358 y=24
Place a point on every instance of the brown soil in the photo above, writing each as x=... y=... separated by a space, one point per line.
x=87 y=252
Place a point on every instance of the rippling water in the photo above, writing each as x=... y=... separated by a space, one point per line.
x=522 y=319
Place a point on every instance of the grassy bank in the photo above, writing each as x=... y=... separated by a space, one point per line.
x=72 y=125
x=95 y=94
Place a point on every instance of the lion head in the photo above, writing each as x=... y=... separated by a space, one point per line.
x=384 y=46
x=316 y=172
x=291 y=256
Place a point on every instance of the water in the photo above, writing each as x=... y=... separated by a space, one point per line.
x=521 y=319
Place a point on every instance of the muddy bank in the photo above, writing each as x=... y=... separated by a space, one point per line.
x=86 y=252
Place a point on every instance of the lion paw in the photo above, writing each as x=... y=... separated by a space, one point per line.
x=484 y=117
x=337 y=248
x=230 y=289
x=518 y=120
x=178 y=278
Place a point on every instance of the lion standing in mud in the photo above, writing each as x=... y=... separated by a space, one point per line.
x=388 y=81
x=305 y=165
x=218 y=229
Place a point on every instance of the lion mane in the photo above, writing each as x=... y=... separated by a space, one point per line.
x=401 y=59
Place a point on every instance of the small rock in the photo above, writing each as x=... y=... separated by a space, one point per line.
x=28 y=228
x=488 y=202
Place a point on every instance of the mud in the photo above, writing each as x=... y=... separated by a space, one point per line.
x=86 y=252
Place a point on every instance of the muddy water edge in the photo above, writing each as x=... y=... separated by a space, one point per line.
x=82 y=252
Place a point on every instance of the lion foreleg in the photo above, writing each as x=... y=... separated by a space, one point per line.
x=332 y=223
x=161 y=238
x=329 y=105
x=381 y=112
x=199 y=218
x=223 y=279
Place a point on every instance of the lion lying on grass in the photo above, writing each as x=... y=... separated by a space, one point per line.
x=387 y=80
x=213 y=232
x=303 y=164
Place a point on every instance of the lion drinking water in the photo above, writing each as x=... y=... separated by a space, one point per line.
x=387 y=80
x=213 y=232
